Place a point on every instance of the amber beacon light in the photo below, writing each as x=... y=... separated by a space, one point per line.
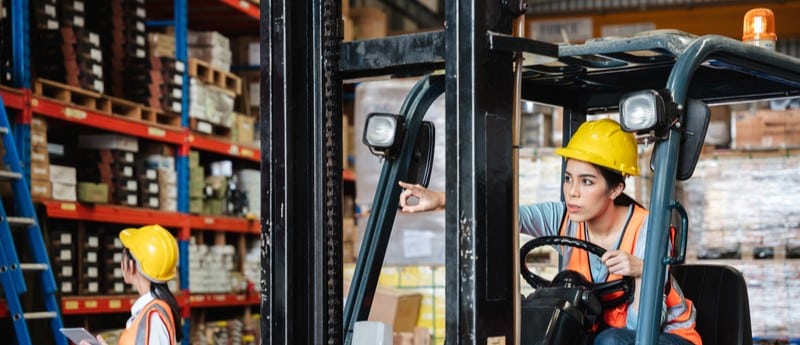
x=759 y=28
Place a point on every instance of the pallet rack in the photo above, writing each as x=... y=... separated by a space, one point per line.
x=228 y=16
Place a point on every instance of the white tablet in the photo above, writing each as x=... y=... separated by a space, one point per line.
x=76 y=335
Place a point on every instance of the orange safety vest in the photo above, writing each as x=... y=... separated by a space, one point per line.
x=139 y=331
x=617 y=317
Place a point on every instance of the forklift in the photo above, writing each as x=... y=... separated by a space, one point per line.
x=661 y=83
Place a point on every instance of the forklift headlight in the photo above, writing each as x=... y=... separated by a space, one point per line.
x=383 y=134
x=642 y=111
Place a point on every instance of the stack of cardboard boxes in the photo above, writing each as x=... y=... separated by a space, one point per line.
x=40 y=159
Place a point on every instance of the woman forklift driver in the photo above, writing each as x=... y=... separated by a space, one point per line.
x=149 y=260
x=599 y=157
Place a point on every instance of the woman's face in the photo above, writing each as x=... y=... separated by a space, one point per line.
x=585 y=191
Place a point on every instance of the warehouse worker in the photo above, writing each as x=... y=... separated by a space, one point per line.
x=149 y=260
x=595 y=209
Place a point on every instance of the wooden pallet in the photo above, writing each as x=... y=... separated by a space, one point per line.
x=122 y=107
x=208 y=128
x=228 y=81
x=69 y=94
x=161 y=117
x=204 y=72
x=201 y=70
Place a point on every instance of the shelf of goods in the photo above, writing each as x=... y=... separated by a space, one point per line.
x=91 y=111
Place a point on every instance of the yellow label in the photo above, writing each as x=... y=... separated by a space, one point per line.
x=71 y=305
x=34 y=102
x=68 y=206
x=91 y=304
x=208 y=220
x=234 y=150
x=75 y=114
x=156 y=132
x=248 y=153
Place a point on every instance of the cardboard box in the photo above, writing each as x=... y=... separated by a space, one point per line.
x=368 y=22
x=395 y=307
x=63 y=174
x=40 y=189
x=244 y=129
x=63 y=191
x=93 y=192
x=765 y=129
x=40 y=171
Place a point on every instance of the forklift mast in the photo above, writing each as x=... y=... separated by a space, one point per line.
x=303 y=65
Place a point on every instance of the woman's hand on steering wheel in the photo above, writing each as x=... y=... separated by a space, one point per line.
x=622 y=263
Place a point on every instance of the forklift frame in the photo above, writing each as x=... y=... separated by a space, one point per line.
x=304 y=64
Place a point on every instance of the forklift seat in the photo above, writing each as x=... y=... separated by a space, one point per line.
x=719 y=294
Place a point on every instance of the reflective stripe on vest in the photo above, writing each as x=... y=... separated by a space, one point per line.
x=139 y=331
x=682 y=324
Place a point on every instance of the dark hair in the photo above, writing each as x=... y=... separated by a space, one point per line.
x=161 y=291
x=614 y=178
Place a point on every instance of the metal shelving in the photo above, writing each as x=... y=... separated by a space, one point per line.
x=241 y=18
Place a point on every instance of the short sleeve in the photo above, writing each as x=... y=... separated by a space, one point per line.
x=541 y=219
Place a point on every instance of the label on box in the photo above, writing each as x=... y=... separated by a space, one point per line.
x=93 y=241
x=91 y=257
x=153 y=202
x=140 y=53
x=92 y=287
x=151 y=174
x=52 y=25
x=94 y=38
x=117 y=243
x=132 y=200
x=66 y=238
x=140 y=13
x=140 y=40
x=177 y=93
x=152 y=188
x=180 y=66
x=96 y=54
x=66 y=287
x=65 y=254
x=36 y=156
x=119 y=287
x=131 y=185
x=91 y=272
x=38 y=139
x=176 y=106
x=50 y=10
x=117 y=257
x=66 y=271
x=140 y=26
x=128 y=172
x=117 y=272
x=178 y=79
x=78 y=5
x=98 y=86
x=77 y=21
x=97 y=70
x=127 y=157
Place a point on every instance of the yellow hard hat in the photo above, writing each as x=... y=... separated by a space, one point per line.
x=155 y=251
x=604 y=143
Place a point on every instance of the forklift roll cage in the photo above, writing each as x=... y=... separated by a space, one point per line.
x=303 y=65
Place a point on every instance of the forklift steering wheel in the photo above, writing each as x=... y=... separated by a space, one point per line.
x=604 y=291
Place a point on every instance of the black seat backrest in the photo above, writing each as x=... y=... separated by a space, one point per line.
x=719 y=294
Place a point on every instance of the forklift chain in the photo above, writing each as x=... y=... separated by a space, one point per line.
x=331 y=35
